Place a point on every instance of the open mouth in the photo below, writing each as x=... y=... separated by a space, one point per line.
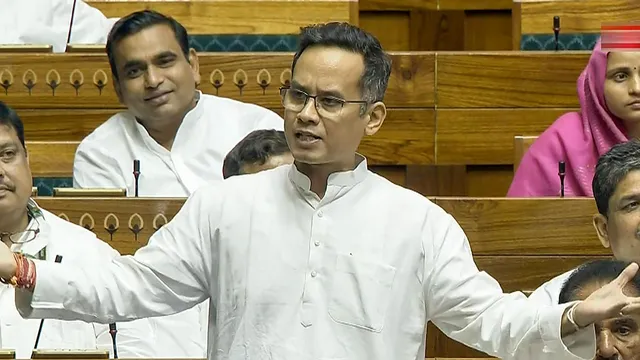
x=307 y=136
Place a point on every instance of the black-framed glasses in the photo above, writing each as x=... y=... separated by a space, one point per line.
x=22 y=237
x=326 y=106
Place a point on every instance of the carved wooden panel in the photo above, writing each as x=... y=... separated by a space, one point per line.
x=57 y=81
x=125 y=224
x=494 y=226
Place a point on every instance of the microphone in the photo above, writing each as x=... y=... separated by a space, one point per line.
x=556 y=29
x=561 y=173
x=136 y=175
x=73 y=13
x=113 y=331
x=35 y=346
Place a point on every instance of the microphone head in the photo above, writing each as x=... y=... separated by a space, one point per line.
x=561 y=167
x=58 y=258
x=136 y=165
x=112 y=327
x=556 y=23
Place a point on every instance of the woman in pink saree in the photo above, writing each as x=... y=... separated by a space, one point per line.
x=609 y=93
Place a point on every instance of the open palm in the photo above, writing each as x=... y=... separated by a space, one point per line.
x=609 y=301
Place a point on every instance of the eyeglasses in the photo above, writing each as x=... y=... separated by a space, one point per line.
x=22 y=237
x=326 y=106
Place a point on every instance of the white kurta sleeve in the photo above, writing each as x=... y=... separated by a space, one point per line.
x=470 y=306
x=549 y=292
x=270 y=120
x=171 y=274
x=94 y=169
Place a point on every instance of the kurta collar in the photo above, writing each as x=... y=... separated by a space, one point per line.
x=347 y=178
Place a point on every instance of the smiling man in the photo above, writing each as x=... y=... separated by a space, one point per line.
x=180 y=135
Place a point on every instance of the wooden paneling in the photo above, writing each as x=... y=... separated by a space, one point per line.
x=485 y=136
x=495 y=227
x=51 y=158
x=576 y=16
x=248 y=77
x=437 y=30
x=527 y=227
x=407 y=137
x=487 y=180
x=435 y=4
x=238 y=17
x=379 y=24
x=487 y=30
x=125 y=224
x=474 y=4
x=509 y=79
x=395 y=5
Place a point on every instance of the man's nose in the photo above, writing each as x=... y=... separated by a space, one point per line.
x=606 y=346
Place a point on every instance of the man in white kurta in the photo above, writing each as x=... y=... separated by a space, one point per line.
x=79 y=246
x=30 y=230
x=179 y=135
x=47 y=22
x=321 y=259
x=104 y=159
x=616 y=189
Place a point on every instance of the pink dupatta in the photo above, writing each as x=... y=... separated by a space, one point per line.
x=577 y=138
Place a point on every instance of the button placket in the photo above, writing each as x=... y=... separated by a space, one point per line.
x=308 y=310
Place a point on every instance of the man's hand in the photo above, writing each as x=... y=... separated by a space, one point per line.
x=7 y=262
x=609 y=301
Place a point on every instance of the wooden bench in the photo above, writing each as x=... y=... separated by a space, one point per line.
x=521 y=242
x=535 y=17
x=521 y=145
x=239 y=17
x=482 y=101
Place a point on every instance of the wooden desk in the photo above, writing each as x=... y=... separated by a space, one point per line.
x=534 y=17
x=239 y=17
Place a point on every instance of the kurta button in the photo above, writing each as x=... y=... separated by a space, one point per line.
x=314 y=273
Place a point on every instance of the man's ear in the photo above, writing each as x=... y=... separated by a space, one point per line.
x=376 y=116
x=195 y=65
x=600 y=224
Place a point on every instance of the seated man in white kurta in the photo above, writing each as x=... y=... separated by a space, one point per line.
x=616 y=190
x=37 y=233
x=321 y=259
x=48 y=22
x=180 y=135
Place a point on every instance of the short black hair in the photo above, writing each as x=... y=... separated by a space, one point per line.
x=256 y=148
x=612 y=168
x=600 y=271
x=377 y=64
x=9 y=118
x=138 y=21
